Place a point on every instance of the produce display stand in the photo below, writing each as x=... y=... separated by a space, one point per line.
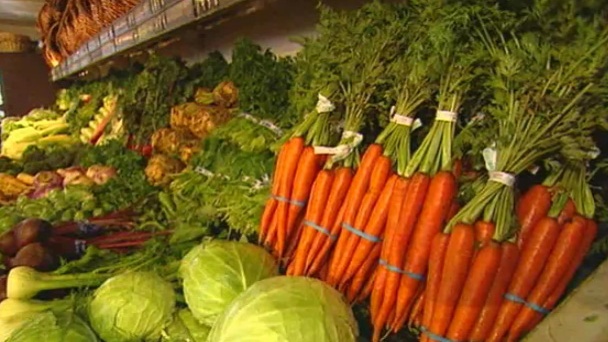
x=417 y=171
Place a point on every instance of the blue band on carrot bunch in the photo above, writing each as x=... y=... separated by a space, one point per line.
x=361 y=233
x=290 y=201
x=537 y=308
x=533 y=306
x=396 y=269
x=320 y=229
x=433 y=336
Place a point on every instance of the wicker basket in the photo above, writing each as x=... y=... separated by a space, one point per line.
x=10 y=42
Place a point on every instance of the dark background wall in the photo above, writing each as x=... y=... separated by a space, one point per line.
x=26 y=83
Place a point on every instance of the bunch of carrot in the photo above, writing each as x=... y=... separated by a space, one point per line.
x=422 y=204
x=338 y=190
x=560 y=234
x=296 y=169
x=483 y=285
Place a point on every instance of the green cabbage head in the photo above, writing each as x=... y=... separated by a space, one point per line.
x=185 y=328
x=49 y=327
x=133 y=306
x=215 y=272
x=287 y=309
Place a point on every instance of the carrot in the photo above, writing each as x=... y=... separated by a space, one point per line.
x=354 y=197
x=581 y=251
x=369 y=285
x=411 y=208
x=438 y=249
x=556 y=267
x=293 y=243
x=374 y=227
x=567 y=212
x=442 y=191
x=308 y=168
x=337 y=193
x=532 y=259
x=271 y=203
x=364 y=273
x=322 y=259
x=531 y=208
x=453 y=277
x=417 y=309
x=392 y=222
x=475 y=291
x=314 y=213
x=483 y=232
x=323 y=272
x=508 y=262
x=291 y=163
x=378 y=180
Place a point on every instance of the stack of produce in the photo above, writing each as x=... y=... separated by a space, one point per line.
x=39 y=127
x=190 y=122
x=227 y=286
x=423 y=225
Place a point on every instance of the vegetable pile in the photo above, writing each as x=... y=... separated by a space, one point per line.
x=439 y=178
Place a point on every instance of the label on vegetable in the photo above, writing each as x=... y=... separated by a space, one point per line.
x=201 y=170
x=324 y=105
x=446 y=115
x=502 y=177
x=264 y=123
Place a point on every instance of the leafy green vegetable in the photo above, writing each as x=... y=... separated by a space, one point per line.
x=206 y=74
x=264 y=81
x=184 y=327
x=132 y=306
x=60 y=327
x=216 y=272
x=129 y=186
x=150 y=94
x=294 y=309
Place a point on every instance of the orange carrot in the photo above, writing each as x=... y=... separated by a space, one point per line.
x=531 y=208
x=392 y=222
x=453 y=277
x=308 y=168
x=364 y=273
x=509 y=257
x=291 y=164
x=483 y=232
x=533 y=257
x=369 y=285
x=375 y=227
x=378 y=180
x=581 y=251
x=411 y=208
x=337 y=194
x=354 y=197
x=271 y=203
x=438 y=249
x=442 y=191
x=314 y=213
x=417 y=309
x=557 y=265
x=323 y=258
x=567 y=212
x=475 y=291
